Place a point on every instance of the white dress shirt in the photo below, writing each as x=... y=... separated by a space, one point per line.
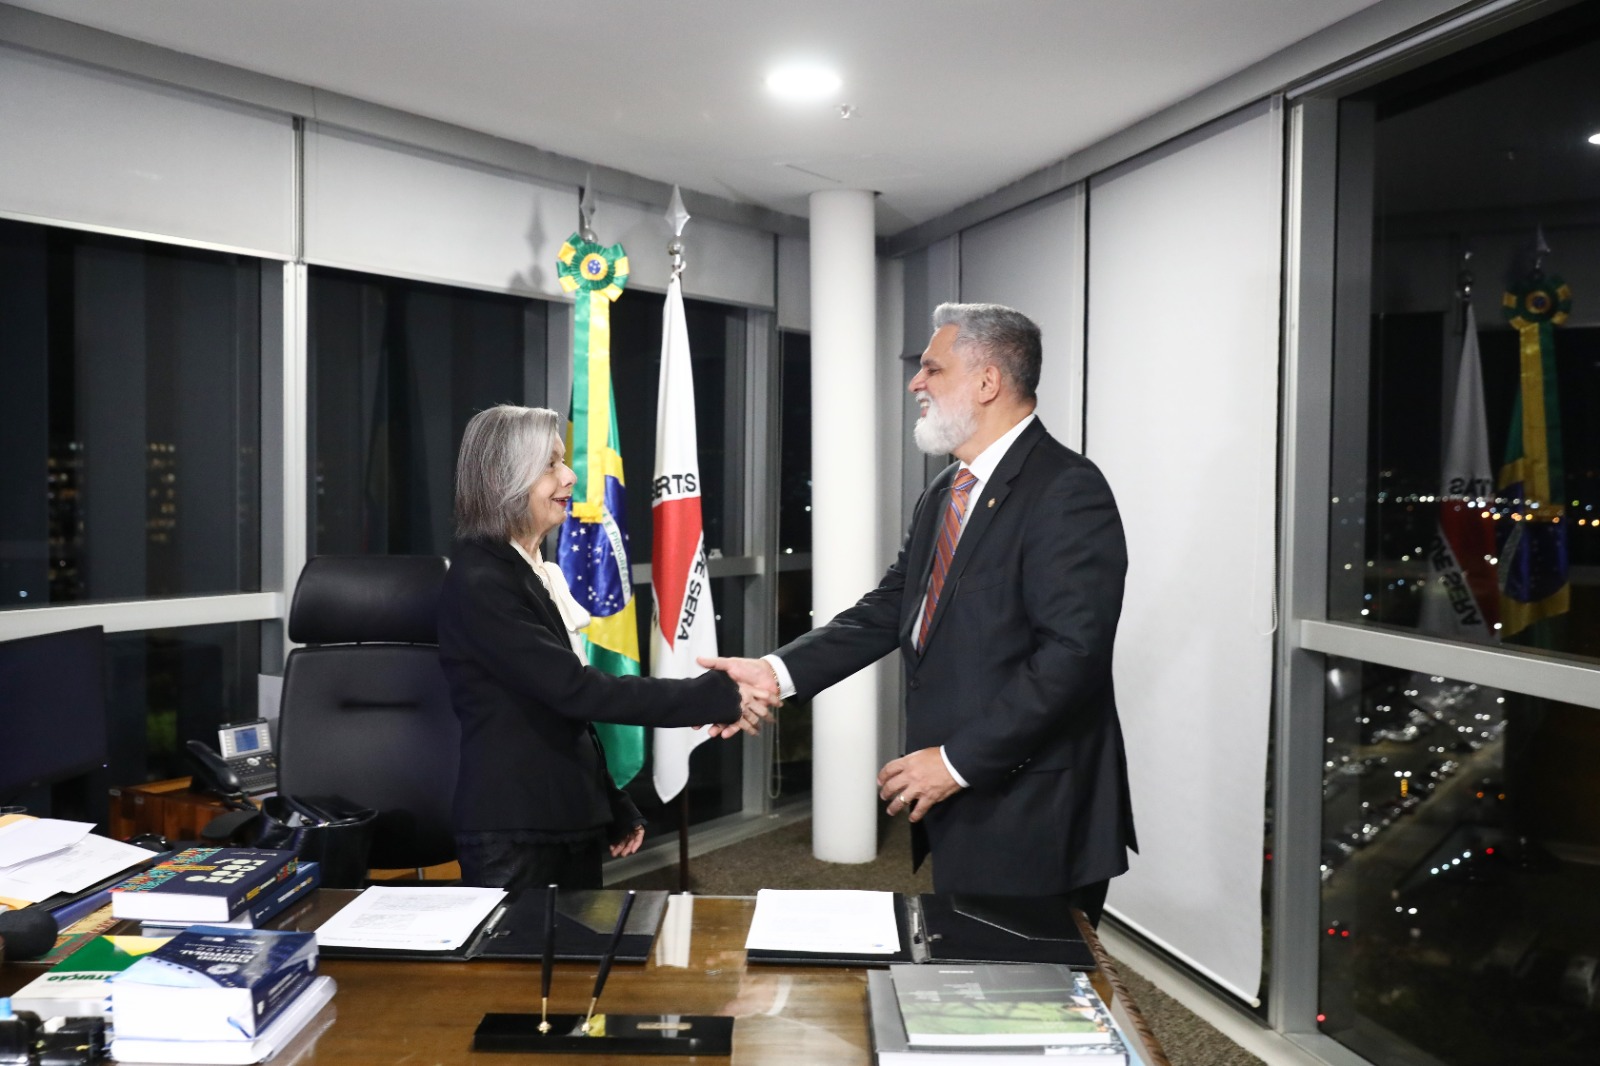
x=982 y=467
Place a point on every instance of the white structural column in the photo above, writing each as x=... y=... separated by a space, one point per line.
x=844 y=513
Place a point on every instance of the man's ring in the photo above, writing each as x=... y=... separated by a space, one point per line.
x=902 y=799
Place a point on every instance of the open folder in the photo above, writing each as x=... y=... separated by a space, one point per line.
x=513 y=928
x=931 y=928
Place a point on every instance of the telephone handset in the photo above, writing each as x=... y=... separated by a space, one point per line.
x=212 y=772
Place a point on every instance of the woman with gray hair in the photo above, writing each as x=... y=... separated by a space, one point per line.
x=534 y=802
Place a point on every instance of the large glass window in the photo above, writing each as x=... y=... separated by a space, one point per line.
x=1461 y=833
x=792 y=757
x=397 y=369
x=1460 y=847
x=130 y=381
x=1466 y=471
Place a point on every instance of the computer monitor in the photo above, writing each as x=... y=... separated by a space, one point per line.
x=52 y=708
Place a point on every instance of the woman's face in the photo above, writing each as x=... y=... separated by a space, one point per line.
x=548 y=499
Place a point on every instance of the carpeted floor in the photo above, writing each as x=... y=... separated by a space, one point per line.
x=782 y=859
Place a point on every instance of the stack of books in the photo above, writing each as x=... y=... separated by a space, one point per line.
x=238 y=887
x=217 y=995
x=79 y=986
x=973 y=1015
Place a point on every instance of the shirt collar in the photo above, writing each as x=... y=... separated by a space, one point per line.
x=984 y=465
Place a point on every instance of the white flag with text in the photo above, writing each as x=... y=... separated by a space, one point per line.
x=683 y=623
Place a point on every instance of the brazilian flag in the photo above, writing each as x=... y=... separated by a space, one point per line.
x=1533 y=545
x=593 y=551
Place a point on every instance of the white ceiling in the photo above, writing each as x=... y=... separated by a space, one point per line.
x=952 y=98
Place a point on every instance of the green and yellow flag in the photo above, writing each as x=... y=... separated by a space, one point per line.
x=1534 y=584
x=593 y=551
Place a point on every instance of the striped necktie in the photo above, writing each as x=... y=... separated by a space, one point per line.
x=949 y=533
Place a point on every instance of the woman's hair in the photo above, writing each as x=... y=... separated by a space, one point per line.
x=503 y=452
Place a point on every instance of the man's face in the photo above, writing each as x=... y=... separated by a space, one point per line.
x=946 y=390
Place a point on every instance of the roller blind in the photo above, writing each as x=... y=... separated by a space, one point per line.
x=386 y=208
x=1184 y=276
x=85 y=147
x=727 y=263
x=1032 y=259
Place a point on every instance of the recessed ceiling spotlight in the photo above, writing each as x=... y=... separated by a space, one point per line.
x=803 y=82
x=1594 y=138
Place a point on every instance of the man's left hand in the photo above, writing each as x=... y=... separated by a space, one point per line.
x=915 y=783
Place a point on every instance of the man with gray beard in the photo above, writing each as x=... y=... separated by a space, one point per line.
x=1003 y=604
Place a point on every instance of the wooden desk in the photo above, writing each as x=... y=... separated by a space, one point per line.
x=425 y=1012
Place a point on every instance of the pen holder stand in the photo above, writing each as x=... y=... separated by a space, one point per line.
x=609 y=1034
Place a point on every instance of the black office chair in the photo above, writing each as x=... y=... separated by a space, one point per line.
x=366 y=712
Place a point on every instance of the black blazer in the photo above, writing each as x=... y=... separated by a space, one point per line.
x=529 y=759
x=1015 y=681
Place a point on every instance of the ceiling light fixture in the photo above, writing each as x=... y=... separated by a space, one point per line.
x=1594 y=138
x=803 y=82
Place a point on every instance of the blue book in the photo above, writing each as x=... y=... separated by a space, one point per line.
x=211 y=983
x=201 y=884
x=273 y=901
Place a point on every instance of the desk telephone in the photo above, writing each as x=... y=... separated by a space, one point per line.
x=246 y=765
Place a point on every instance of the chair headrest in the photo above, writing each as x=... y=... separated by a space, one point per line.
x=362 y=599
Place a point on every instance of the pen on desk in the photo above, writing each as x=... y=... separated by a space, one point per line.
x=548 y=963
x=609 y=956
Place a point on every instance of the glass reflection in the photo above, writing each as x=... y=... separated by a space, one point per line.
x=1466 y=466
x=1460 y=861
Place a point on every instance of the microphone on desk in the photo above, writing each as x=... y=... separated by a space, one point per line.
x=609 y=957
x=548 y=962
x=27 y=933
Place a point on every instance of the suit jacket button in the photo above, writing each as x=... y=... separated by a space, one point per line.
x=913 y=684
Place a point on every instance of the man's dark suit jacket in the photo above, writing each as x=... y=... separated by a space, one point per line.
x=529 y=759
x=1015 y=681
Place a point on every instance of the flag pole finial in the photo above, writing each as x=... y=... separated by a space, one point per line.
x=586 y=210
x=677 y=218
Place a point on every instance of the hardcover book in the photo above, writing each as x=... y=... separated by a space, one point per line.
x=271 y=902
x=79 y=986
x=995 y=1006
x=890 y=1047
x=201 y=884
x=211 y=983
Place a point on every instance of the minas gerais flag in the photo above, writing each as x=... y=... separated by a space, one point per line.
x=683 y=622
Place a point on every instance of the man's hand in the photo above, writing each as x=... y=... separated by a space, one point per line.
x=916 y=782
x=758 y=694
x=628 y=844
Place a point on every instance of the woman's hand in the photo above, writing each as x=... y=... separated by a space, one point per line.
x=628 y=844
x=755 y=707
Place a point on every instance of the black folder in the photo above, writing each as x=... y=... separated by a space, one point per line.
x=515 y=929
x=967 y=929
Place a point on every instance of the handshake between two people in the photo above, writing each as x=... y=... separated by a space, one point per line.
x=758 y=694
x=911 y=784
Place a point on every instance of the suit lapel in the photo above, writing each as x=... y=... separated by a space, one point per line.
x=544 y=606
x=981 y=510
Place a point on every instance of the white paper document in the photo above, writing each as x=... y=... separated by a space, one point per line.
x=29 y=839
x=410 y=919
x=824 y=922
x=91 y=859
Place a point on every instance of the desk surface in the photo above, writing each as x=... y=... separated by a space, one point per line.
x=425 y=1012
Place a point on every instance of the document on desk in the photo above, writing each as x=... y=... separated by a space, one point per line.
x=71 y=868
x=824 y=922
x=24 y=840
x=410 y=919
